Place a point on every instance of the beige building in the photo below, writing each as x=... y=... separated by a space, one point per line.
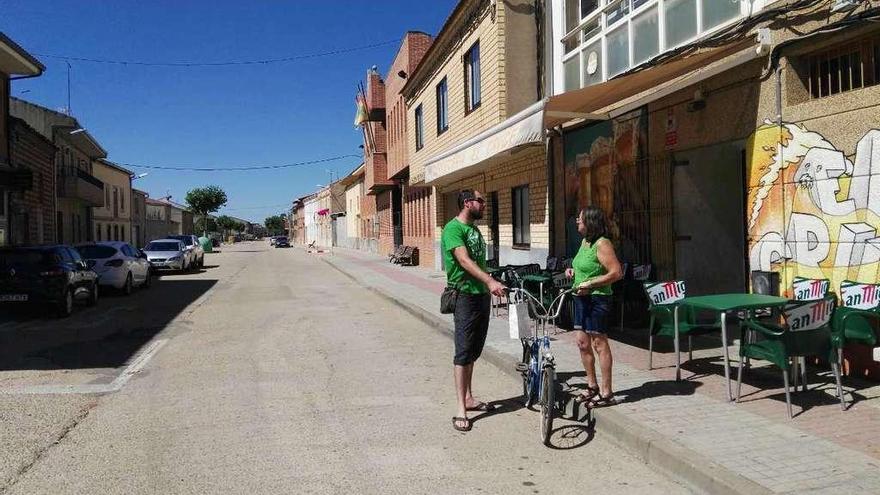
x=474 y=121
x=113 y=220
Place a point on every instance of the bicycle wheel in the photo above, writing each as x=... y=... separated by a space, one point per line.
x=548 y=403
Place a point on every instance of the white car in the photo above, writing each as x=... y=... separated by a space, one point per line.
x=118 y=264
x=167 y=254
x=193 y=249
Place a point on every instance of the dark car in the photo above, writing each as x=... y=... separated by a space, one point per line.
x=282 y=242
x=50 y=275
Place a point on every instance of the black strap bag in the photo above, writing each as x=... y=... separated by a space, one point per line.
x=448 y=300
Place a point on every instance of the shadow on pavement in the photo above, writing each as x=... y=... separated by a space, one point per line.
x=659 y=388
x=572 y=436
x=105 y=336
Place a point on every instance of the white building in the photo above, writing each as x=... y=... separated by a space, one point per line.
x=310 y=219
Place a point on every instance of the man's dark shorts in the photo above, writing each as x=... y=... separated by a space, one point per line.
x=471 y=326
x=591 y=313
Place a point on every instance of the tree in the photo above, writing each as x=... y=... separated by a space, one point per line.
x=226 y=223
x=204 y=200
x=211 y=227
x=275 y=224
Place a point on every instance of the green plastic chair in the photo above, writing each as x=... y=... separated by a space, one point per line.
x=663 y=297
x=806 y=332
x=855 y=320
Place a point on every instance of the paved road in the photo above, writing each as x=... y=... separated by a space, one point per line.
x=286 y=377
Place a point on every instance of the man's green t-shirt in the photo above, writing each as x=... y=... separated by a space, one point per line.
x=456 y=234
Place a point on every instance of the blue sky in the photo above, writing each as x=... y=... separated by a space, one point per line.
x=216 y=116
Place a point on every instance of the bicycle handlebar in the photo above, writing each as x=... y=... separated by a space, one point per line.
x=535 y=303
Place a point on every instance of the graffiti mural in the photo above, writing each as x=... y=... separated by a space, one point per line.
x=813 y=211
x=601 y=168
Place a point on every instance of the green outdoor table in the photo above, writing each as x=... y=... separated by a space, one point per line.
x=723 y=303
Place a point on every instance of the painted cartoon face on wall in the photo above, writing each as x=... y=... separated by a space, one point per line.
x=811 y=211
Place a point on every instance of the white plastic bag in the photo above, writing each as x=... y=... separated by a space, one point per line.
x=518 y=318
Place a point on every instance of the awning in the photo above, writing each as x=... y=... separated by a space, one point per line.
x=522 y=129
x=588 y=102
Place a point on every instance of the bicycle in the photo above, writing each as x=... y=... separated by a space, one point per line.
x=538 y=366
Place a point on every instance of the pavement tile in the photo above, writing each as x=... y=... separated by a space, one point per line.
x=821 y=451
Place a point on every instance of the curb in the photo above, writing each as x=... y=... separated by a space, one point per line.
x=661 y=453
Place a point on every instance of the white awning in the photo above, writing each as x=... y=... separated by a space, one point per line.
x=525 y=128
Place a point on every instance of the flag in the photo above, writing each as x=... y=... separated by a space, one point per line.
x=360 y=116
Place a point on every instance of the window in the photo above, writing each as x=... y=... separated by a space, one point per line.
x=472 y=77
x=109 y=238
x=107 y=196
x=442 y=107
x=420 y=129
x=97 y=231
x=715 y=13
x=122 y=201
x=602 y=39
x=618 y=51
x=116 y=232
x=844 y=68
x=521 y=234
x=681 y=21
x=646 y=36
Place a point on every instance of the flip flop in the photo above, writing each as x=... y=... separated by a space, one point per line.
x=481 y=406
x=599 y=401
x=588 y=395
x=457 y=419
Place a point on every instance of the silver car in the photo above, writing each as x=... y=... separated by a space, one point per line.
x=166 y=254
x=194 y=249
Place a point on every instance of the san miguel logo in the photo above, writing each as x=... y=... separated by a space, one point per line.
x=806 y=289
x=859 y=296
x=665 y=292
x=809 y=316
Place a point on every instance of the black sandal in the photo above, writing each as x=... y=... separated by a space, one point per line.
x=467 y=421
x=599 y=401
x=588 y=395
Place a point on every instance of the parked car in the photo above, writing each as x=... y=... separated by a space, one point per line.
x=167 y=254
x=55 y=276
x=272 y=240
x=118 y=264
x=194 y=247
x=282 y=241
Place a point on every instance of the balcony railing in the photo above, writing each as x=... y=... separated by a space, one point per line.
x=83 y=186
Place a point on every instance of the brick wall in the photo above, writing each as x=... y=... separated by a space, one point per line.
x=413 y=48
x=386 y=229
x=33 y=210
x=418 y=222
x=526 y=167
x=375 y=135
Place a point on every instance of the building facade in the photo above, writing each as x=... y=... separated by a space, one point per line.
x=113 y=220
x=747 y=148
x=473 y=123
x=77 y=188
x=30 y=207
x=138 y=218
x=412 y=206
x=15 y=179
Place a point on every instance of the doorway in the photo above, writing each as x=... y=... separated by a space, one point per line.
x=494 y=248
x=397 y=215
x=708 y=194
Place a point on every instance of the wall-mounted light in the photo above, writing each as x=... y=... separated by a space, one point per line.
x=77 y=131
x=698 y=103
x=402 y=74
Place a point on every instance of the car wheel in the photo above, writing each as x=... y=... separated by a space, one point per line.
x=149 y=280
x=65 y=307
x=93 y=295
x=126 y=289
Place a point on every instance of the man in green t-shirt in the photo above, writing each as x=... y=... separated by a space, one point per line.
x=464 y=255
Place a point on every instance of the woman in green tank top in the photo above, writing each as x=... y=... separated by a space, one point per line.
x=594 y=269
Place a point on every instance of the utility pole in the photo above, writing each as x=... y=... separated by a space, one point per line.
x=69 y=112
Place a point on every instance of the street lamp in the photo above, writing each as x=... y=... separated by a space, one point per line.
x=76 y=131
x=139 y=176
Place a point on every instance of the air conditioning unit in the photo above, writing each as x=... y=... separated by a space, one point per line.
x=845 y=5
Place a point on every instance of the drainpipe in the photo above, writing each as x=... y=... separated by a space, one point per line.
x=779 y=158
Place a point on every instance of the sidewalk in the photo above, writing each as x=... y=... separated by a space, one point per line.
x=688 y=428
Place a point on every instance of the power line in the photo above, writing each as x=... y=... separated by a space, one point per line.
x=219 y=64
x=257 y=207
x=238 y=169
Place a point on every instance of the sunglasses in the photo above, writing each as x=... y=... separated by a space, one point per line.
x=478 y=200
